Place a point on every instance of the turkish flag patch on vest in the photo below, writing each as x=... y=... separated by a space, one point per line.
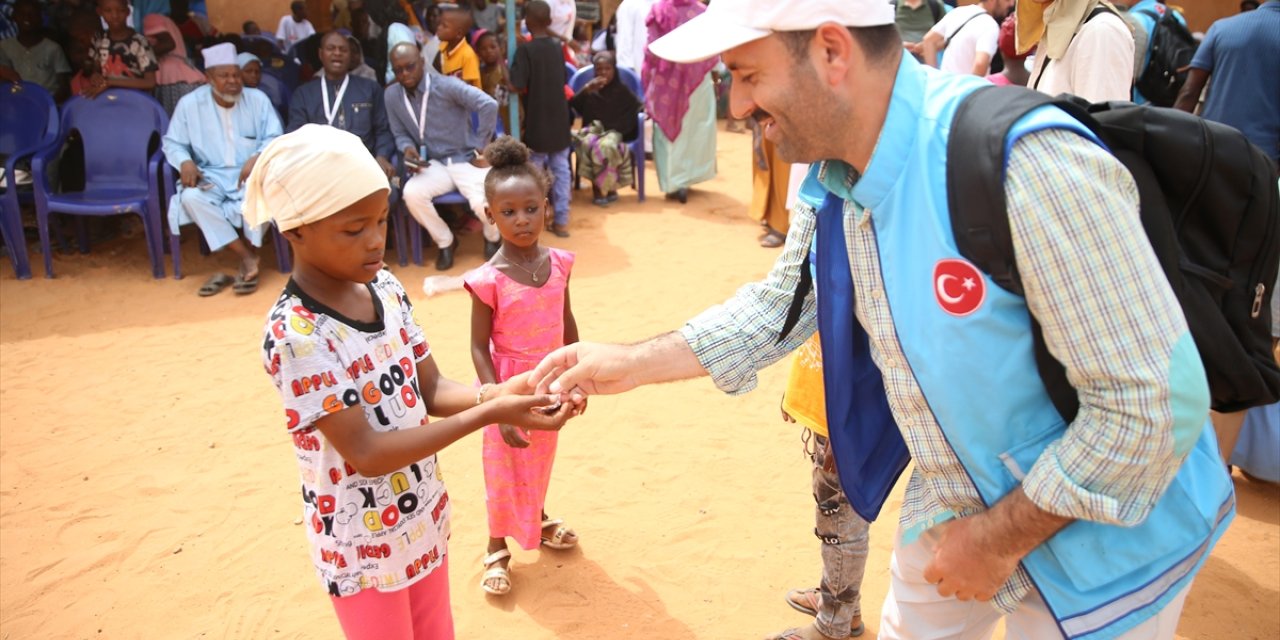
x=958 y=286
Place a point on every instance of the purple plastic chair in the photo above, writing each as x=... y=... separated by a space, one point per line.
x=28 y=125
x=629 y=78
x=117 y=128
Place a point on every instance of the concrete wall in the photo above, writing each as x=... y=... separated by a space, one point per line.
x=229 y=15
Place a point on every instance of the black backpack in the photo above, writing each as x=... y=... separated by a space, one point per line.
x=1209 y=206
x=1172 y=48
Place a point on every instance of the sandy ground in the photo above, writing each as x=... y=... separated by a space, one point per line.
x=147 y=489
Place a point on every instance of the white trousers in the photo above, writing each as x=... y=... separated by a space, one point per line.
x=913 y=610
x=438 y=179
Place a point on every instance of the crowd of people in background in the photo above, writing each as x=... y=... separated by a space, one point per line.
x=372 y=75
x=84 y=47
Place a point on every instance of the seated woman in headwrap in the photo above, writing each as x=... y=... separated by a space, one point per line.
x=608 y=110
x=176 y=76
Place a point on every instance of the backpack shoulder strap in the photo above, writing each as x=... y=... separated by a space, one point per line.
x=964 y=24
x=975 y=178
x=1099 y=10
x=976 y=163
x=935 y=7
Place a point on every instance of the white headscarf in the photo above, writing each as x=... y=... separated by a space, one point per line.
x=309 y=175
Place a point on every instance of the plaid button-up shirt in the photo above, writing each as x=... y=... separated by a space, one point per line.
x=1093 y=283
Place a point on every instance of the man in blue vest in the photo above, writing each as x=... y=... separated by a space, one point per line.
x=1092 y=529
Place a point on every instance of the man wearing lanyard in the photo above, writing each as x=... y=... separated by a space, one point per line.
x=444 y=156
x=342 y=100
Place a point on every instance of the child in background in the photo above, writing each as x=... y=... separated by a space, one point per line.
x=176 y=76
x=1015 y=66
x=490 y=16
x=358 y=381
x=494 y=75
x=122 y=58
x=519 y=313
x=457 y=58
x=538 y=70
x=295 y=27
x=836 y=604
x=32 y=57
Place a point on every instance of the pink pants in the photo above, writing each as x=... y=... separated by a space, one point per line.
x=420 y=612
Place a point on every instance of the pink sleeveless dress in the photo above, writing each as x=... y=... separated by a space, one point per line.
x=528 y=323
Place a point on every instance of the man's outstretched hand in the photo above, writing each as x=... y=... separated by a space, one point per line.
x=586 y=368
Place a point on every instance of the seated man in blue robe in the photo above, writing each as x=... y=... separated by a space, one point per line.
x=214 y=138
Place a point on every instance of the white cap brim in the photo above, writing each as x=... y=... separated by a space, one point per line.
x=705 y=36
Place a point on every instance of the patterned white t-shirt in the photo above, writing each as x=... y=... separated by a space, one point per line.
x=384 y=532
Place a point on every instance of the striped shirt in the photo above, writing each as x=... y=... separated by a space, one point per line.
x=1092 y=281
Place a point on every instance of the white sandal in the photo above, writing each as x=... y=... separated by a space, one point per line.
x=557 y=539
x=493 y=572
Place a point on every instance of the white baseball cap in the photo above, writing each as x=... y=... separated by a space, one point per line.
x=731 y=23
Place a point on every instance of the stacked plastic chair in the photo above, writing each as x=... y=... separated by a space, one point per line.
x=28 y=125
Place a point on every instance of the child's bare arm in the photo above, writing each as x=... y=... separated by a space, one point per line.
x=571 y=335
x=445 y=397
x=146 y=83
x=481 y=332
x=375 y=453
x=570 y=324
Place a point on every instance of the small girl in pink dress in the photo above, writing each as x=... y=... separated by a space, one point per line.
x=519 y=313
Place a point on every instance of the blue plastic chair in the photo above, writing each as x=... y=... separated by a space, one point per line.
x=629 y=78
x=120 y=177
x=28 y=125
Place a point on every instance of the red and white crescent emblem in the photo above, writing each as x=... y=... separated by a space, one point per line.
x=958 y=286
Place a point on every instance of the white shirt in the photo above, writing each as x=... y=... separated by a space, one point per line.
x=1098 y=64
x=968 y=37
x=381 y=532
x=564 y=13
x=290 y=31
x=632 y=36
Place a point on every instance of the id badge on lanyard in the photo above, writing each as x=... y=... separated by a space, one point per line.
x=421 y=119
x=330 y=114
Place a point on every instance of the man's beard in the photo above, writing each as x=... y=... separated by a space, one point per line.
x=798 y=138
x=228 y=98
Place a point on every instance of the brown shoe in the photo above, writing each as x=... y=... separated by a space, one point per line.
x=772 y=239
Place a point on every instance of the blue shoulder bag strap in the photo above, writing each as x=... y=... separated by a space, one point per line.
x=869 y=449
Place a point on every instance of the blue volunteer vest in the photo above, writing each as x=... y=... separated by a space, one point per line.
x=1097 y=580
